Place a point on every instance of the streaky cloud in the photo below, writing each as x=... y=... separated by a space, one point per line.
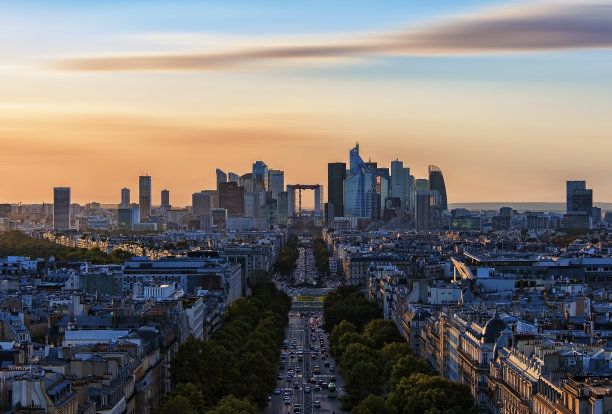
x=532 y=27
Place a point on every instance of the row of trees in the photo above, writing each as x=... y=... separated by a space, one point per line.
x=15 y=243
x=285 y=263
x=236 y=370
x=381 y=374
x=347 y=303
x=321 y=255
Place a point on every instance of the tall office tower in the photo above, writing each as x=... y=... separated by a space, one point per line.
x=260 y=175
x=291 y=201
x=398 y=181
x=165 y=200
x=125 y=198
x=231 y=198
x=202 y=204
x=247 y=181
x=61 y=208
x=214 y=197
x=282 y=208
x=359 y=188
x=336 y=174
x=570 y=187
x=233 y=178
x=253 y=200
x=144 y=197
x=317 y=200
x=410 y=203
x=221 y=177
x=422 y=204
x=382 y=192
x=582 y=201
x=276 y=182
x=436 y=183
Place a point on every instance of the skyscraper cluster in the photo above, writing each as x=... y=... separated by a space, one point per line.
x=365 y=190
x=259 y=195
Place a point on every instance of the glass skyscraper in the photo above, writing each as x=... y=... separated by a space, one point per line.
x=422 y=204
x=221 y=177
x=276 y=182
x=398 y=181
x=571 y=186
x=336 y=174
x=165 y=199
x=125 y=198
x=359 y=188
x=436 y=183
x=260 y=175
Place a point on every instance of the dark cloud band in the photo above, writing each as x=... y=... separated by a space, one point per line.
x=530 y=28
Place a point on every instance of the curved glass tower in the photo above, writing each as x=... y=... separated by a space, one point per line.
x=436 y=183
x=359 y=188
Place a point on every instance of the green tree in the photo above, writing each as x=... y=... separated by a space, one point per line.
x=406 y=367
x=390 y=354
x=348 y=303
x=382 y=331
x=373 y=404
x=233 y=405
x=348 y=339
x=177 y=404
x=426 y=394
x=340 y=329
x=193 y=394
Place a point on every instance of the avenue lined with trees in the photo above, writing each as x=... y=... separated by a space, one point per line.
x=285 y=263
x=321 y=255
x=235 y=371
x=381 y=374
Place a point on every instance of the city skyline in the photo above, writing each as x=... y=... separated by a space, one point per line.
x=103 y=90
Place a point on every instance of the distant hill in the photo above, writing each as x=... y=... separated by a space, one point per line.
x=524 y=206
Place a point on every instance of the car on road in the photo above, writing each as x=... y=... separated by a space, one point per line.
x=287 y=401
x=276 y=391
x=296 y=387
x=317 y=387
x=306 y=389
x=331 y=368
x=317 y=404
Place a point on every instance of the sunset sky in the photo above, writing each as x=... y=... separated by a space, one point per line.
x=508 y=98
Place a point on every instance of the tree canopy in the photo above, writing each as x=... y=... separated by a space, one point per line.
x=381 y=375
x=15 y=243
x=236 y=370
